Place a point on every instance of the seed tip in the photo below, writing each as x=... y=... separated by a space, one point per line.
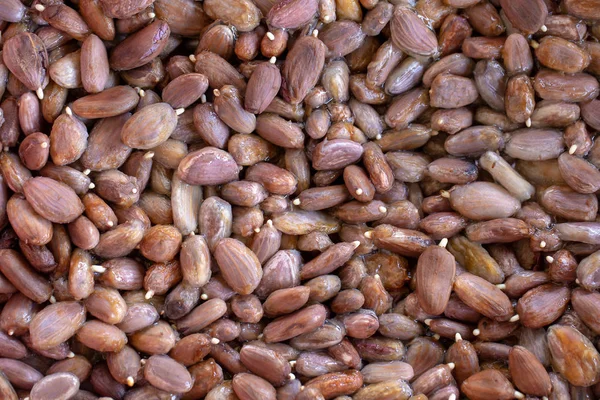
x=291 y=376
x=149 y=155
x=40 y=93
x=356 y=243
x=215 y=340
x=476 y=332
x=519 y=395
x=151 y=15
x=501 y=286
x=428 y=321
x=204 y=296
x=542 y=244
x=269 y=223
x=273 y=60
x=292 y=363
x=528 y=123
x=87 y=171
x=457 y=337
x=534 y=44
x=98 y=268
x=52 y=299
x=142 y=93
x=149 y=294
x=452 y=397
x=443 y=242
x=544 y=28
x=11 y=332
x=572 y=149
x=302 y=388
x=217 y=92
x=550 y=259
x=44 y=145
x=203 y=99
x=382 y=209
x=130 y=381
x=257 y=230
x=369 y=234
x=40 y=7
x=110 y=224
x=92 y=185
x=437 y=337
x=378 y=136
x=514 y=318
x=577 y=281
x=180 y=111
x=315 y=33
x=296 y=202
x=134 y=190
x=68 y=111
x=358 y=191
x=192 y=58
x=445 y=194
x=451 y=366
x=270 y=36
x=70 y=355
x=143 y=361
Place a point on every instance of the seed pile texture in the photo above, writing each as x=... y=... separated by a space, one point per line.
x=299 y=199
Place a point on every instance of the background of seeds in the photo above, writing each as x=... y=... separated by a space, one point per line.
x=232 y=199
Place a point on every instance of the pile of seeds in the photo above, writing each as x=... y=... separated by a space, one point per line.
x=299 y=199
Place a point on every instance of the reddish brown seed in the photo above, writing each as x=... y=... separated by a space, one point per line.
x=53 y=200
x=528 y=373
x=435 y=273
x=56 y=323
x=101 y=337
x=411 y=34
x=483 y=297
x=487 y=384
x=534 y=307
x=295 y=324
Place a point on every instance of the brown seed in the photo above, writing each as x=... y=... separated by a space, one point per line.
x=298 y=77
x=251 y=387
x=141 y=47
x=487 y=384
x=410 y=34
x=239 y=265
x=167 y=374
x=209 y=166
x=529 y=374
x=573 y=355
x=108 y=103
x=483 y=297
x=263 y=85
x=56 y=323
x=29 y=47
x=451 y=91
x=59 y=386
x=101 y=337
x=534 y=310
x=435 y=273
x=494 y=201
x=242 y=14
x=337 y=383
x=291 y=14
